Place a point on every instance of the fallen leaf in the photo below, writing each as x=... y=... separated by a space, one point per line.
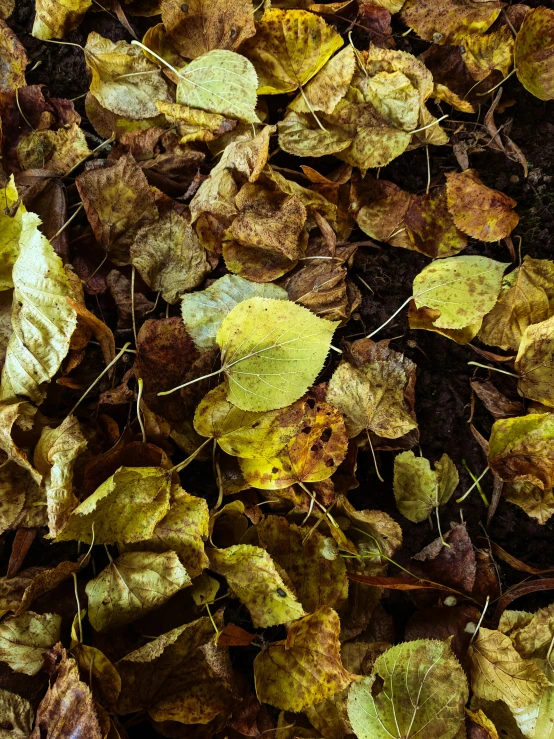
x=450 y=21
x=453 y=564
x=56 y=18
x=24 y=639
x=58 y=151
x=537 y=503
x=425 y=670
x=252 y=576
x=418 y=489
x=306 y=667
x=479 y=211
x=17 y=713
x=13 y=60
x=131 y=586
x=494 y=401
x=487 y=52
x=103 y=678
x=42 y=321
x=17 y=415
x=522 y=449
x=198 y=26
x=534 y=49
x=534 y=363
x=125 y=508
x=195 y=125
x=499 y=673
x=289 y=48
x=329 y=86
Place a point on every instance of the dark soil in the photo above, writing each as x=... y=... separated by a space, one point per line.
x=443 y=392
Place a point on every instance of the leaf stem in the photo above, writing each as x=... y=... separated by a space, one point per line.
x=396 y=312
x=373 y=455
x=66 y=224
x=108 y=367
x=480 y=619
x=191 y=382
x=478 y=484
x=475 y=484
x=133 y=271
x=312 y=111
x=190 y=458
x=139 y=397
x=494 y=369
x=507 y=77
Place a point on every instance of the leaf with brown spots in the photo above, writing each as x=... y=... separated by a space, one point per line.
x=522 y=449
x=25 y=638
x=13 y=60
x=448 y=21
x=534 y=52
x=534 y=363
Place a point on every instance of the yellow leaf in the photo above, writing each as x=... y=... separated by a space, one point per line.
x=131 y=586
x=253 y=577
x=289 y=48
x=42 y=321
x=24 y=639
x=106 y=123
x=56 y=151
x=199 y=26
x=304 y=669
x=484 y=54
x=13 y=60
x=449 y=21
x=330 y=84
x=55 y=18
x=534 y=53
x=10 y=232
x=15 y=710
x=521 y=449
x=195 y=125
x=537 y=503
x=499 y=673
x=534 y=363
x=19 y=415
x=103 y=678
x=5 y=322
x=125 y=508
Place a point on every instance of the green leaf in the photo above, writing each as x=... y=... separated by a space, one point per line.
x=125 y=508
x=10 y=231
x=416 y=689
x=461 y=289
x=304 y=669
x=220 y=81
x=204 y=311
x=521 y=449
x=24 y=639
x=253 y=577
x=418 y=489
x=271 y=352
x=131 y=586
x=42 y=321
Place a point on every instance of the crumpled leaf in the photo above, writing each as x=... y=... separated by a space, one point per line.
x=418 y=489
x=24 y=639
x=252 y=576
x=169 y=256
x=318 y=580
x=479 y=211
x=18 y=592
x=415 y=687
x=13 y=60
x=527 y=297
x=10 y=232
x=499 y=673
x=179 y=676
x=125 y=508
x=372 y=393
x=56 y=151
x=530 y=634
x=195 y=125
x=289 y=48
x=534 y=363
x=306 y=667
x=42 y=321
x=123 y=80
x=451 y=20
x=522 y=449
x=534 y=52
x=56 y=18
x=458 y=290
x=271 y=351
x=220 y=81
x=118 y=202
x=485 y=53
x=537 y=503
x=17 y=713
x=131 y=586
x=54 y=457
x=330 y=84
x=21 y=415
x=204 y=311
x=199 y=26
x=306 y=442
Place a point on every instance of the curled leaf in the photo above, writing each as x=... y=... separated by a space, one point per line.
x=534 y=52
x=55 y=18
x=522 y=449
x=418 y=489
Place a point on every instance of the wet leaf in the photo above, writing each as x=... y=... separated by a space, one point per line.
x=24 y=639
x=271 y=351
x=42 y=321
x=499 y=673
x=317 y=580
x=131 y=586
x=537 y=503
x=414 y=687
x=460 y=289
x=221 y=82
x=534 y=52
x=450 y=21
x=522 y=449
x=17 y=713
x=125 y=508
x=252 y=576
x=304 y=669
x=372 y=394
x=479 y=211
x=534 y=363
x=198 y=26
x=289 y=48
x=418 y=489
x=55 y=18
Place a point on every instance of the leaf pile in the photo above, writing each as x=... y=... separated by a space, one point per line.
x=183 y=408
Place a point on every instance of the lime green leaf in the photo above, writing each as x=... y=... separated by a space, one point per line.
x=24 y=639
x=418 y=489
x=416 y=689
x=125 y=508
x=220 y=81
x=521 y=449
x=253 y=577
x=304 y=669
x=10 y=231
x=271 y=352
x=131 y=586
x=42 y=321
x=204 y=311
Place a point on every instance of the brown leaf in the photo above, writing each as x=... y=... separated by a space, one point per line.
x=234 y=636
x=453 y=565
x=120 y=288
x=516 y=563
x=524 y=588
x=102 y=333
x=442 y=623
x=494 y=401
x=21 y=544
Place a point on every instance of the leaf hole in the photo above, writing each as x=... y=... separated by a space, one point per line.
x=306 y=429
x=377 y=687
x=326 y=435
x=310 y=403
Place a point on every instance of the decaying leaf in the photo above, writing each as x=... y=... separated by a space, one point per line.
x=522 y=449
x=13 y=60
x=304 y=669
x=251 y=574
x=479 y=211
x=450 y=21
x=534 y=363
x=415 y=687
x=24 y=640
x=534 y=51
x=485 y=53
x=537 y=503
x=17 y=713
x=55 y=18
x=418 y=489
